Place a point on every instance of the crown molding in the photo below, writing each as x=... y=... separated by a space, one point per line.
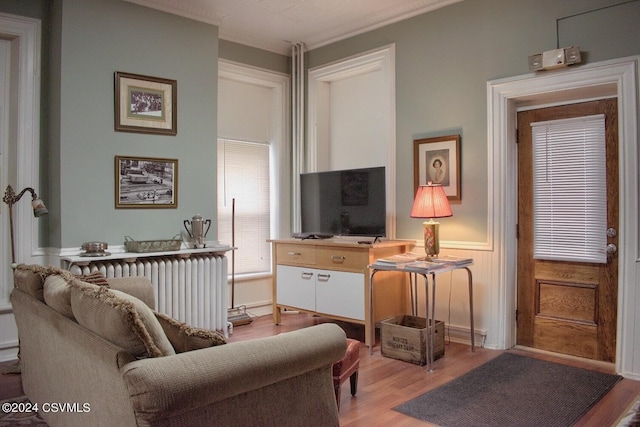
x=274 y=25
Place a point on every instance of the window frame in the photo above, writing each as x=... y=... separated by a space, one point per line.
x=279 y=138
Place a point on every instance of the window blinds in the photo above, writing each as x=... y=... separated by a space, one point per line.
x=569 y=189
x=243 y=175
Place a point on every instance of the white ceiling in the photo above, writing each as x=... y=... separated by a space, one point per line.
x=274 y=24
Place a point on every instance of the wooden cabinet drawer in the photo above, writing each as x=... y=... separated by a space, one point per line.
x=341 y=258
x=295 y=254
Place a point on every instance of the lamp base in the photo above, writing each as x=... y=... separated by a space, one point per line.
x=431 y=238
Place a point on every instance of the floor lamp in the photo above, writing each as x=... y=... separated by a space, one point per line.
x=11 y=198
x=39 y=209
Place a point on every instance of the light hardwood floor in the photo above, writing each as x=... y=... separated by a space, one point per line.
x=385 y=383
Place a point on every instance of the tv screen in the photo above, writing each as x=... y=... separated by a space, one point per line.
x=344 y=203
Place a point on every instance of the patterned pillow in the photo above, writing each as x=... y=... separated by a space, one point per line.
x=122 y=319
x=30 y=278
x=57 y=290
x=57 y=294
x=187 y=338
x=96 y=278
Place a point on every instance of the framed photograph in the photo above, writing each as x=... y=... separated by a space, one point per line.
x=438 y=160
x=143 y=182
x=145 y=104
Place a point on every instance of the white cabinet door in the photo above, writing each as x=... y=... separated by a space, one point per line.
x=340 y=293
x=296 y=287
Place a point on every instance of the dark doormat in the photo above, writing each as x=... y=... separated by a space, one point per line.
x=513 y=390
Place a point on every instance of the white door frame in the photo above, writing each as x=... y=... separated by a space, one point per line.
x=616 y=77
x=24 y=134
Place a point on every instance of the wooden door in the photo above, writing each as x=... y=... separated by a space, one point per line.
x=567 y=307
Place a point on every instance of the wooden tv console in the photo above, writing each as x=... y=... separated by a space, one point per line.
x=331 y=278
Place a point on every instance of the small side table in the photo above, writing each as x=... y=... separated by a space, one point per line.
x=426 y=269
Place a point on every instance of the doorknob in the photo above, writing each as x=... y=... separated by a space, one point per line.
x=611 y=232
x=611 y=249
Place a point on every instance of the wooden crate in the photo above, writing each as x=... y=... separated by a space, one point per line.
x=404 y=338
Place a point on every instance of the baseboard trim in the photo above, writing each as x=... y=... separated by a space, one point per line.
x=461 y=334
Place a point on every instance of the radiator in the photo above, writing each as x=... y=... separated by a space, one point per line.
x=192 y=290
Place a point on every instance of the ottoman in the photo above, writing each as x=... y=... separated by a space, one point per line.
x=347 y=367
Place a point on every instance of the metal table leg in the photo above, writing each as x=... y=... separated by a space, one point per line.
x=473 y=331
x=372 y=323
x=431 y=319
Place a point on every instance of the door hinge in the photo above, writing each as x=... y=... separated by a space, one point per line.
x=516 y=317
x=517 y=231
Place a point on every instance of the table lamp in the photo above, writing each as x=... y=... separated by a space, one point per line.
x=431 y=202
x=10 y=198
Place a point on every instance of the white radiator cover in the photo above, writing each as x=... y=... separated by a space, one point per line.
x=192 y=290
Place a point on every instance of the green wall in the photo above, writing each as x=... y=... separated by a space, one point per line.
x=254 y=57
x=86 y=42
x=98 y=38
x=443 y=62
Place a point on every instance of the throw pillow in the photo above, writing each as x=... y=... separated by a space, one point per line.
x=57 y=290
x=29 y=279
x=122 y=319
x=188 y=338
x=96 y=278
x=57 y=295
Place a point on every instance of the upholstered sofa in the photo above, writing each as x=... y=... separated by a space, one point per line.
x=92 y=354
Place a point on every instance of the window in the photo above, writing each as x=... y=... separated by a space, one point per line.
x=243 y=177
x=569 y=189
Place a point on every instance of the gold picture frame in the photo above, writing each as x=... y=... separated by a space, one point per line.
x=145 y=104
x=145 y=182
x=438 y=160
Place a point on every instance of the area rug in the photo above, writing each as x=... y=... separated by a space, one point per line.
x=13 y=414
x=512 y=390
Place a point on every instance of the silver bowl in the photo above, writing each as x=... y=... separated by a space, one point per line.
x=94 y=249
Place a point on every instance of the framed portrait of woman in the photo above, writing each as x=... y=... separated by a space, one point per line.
x=437 y=160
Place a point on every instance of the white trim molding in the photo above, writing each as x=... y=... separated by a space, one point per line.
x=24 y=128
x=617 y=78
x=24 y=35
x=280 y=84
x=318 y=126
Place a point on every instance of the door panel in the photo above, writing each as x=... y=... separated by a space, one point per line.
x=554 y=295
x=567 y=307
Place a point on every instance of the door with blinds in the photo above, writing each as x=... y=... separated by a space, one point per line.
x=567 y=229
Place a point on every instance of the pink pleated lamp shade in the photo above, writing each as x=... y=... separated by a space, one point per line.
x=431 y=202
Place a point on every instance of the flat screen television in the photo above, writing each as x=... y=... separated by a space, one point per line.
x=343 y=203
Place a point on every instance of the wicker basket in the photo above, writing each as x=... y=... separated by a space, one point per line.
x=152 y=245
